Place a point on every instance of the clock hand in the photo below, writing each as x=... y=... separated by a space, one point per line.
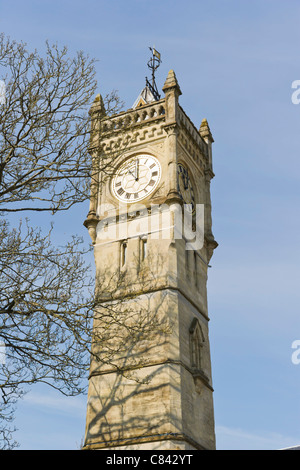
x=137 y=169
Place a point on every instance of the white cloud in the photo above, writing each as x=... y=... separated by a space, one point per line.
x=239 y=439
x=56 y=403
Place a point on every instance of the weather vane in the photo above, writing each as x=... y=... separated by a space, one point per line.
x=153 y=64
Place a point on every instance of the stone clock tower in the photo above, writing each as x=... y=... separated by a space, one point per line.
x=150 y=384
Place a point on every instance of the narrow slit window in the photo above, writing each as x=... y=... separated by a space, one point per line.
x=195 y=269
x=144 y=249
x=123 y=253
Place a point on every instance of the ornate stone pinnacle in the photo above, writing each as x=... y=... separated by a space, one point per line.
x=171 y=82
x=205 y=130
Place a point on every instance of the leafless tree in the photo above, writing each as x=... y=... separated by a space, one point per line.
x=46 y=301
x=47 y=295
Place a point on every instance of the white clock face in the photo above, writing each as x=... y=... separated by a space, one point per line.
x=136 y=178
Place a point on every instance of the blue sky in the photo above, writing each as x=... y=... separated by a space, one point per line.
x=235 y=61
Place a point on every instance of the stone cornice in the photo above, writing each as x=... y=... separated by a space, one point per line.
x=196 y=373
x=144 y=439
x=164 y=287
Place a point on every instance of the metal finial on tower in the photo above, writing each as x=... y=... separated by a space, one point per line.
x=153 y=64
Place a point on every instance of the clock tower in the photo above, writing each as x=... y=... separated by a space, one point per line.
x=150 y=382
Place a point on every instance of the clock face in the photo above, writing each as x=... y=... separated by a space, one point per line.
x=185 y=187
x=136 y=178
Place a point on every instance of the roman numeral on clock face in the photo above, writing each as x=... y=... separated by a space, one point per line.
x=120 y=191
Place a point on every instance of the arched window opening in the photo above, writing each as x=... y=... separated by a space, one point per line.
x=196 y=344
